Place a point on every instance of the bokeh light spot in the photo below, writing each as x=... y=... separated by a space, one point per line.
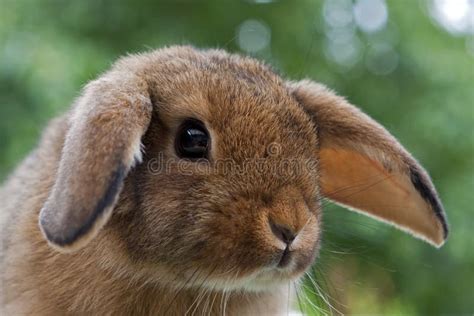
x=253 y=36
x=370 y=15
x=456 y=16
x=346 y=53
x=338 y=13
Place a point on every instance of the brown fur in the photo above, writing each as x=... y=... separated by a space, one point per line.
x=122 y=239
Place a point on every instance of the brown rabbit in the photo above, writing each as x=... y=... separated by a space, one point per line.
x=188 y=181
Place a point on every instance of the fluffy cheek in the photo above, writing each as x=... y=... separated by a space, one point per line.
x=236 y=245
x=160 y=230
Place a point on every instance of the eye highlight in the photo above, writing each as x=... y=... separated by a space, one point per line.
x=192 y=140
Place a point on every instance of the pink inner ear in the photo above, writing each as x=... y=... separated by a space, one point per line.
x=363 y=184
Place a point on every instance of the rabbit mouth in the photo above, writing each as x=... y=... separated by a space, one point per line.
x=285 y=267
x=285 y=258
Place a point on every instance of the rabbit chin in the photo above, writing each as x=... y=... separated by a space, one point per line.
x=269 y=280
x=264 y=279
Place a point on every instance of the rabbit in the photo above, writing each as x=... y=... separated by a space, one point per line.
x=187 y=181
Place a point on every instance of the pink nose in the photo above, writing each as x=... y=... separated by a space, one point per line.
x=282 y=232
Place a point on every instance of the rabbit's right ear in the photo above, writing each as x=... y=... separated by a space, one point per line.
x=101 y=146
x=364 y=168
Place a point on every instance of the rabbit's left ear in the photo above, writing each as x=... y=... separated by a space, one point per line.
x=101 y=146
x=364 y=168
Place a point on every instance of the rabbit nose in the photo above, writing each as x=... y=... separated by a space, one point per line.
x=282 y=232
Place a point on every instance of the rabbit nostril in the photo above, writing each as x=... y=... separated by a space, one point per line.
x=283 y=233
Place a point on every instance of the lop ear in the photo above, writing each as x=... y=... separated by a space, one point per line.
x=365 y=169
x=101 y=146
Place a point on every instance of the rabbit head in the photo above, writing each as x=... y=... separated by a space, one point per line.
x=211 y=167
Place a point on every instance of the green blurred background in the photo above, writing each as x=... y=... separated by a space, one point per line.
x=409 y=64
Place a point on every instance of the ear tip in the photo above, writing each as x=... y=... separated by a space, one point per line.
x=68 y=226
x=441 y=237
x=444 y=230
x=52 y=235
x=423 y=185
x=63 y=241
x=439 y=243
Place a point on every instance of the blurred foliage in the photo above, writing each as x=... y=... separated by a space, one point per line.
x=410 y=74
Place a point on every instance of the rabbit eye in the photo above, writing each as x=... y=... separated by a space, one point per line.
x=192 y=140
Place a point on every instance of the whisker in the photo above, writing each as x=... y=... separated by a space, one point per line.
x=313 y=305
x=216 y=291
x=298 y=297
x=227 y=296
x=323 y=295
x=202 y=292
x=181 y=289
x=288 y=300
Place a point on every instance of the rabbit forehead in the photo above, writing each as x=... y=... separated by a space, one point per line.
x=252 y=128
x=244 y=121
x=242 y=101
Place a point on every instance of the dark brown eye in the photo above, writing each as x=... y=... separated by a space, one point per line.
x=192 y=140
